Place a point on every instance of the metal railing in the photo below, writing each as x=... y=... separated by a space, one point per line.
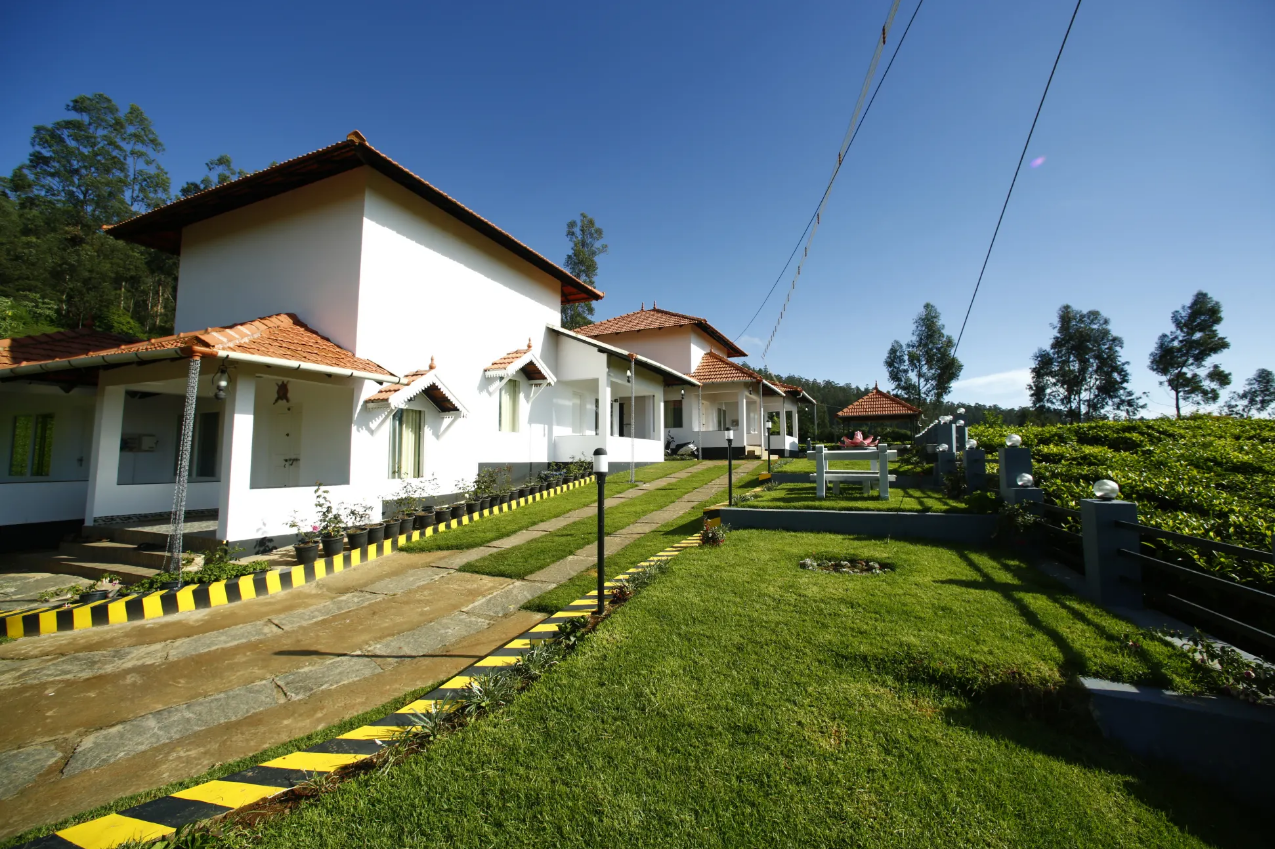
x=1068 y=545
x=1244 y=597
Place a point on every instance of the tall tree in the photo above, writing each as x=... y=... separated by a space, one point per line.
x=220 y=170
x=1181 y=356
x=1256 y=398
x=586 y=246
x=1081 y=374
x=926 y=367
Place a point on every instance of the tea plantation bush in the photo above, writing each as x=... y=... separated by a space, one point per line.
x=1206 y=476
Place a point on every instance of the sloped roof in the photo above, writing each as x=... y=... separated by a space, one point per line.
x=797 y=392
x=879 y=405
x=56 y=346
x=521 y=360
x=423 y=382
x=672 y=377
x=161 y=228
x=714 y=368
x=279 y=337
x=656 y=319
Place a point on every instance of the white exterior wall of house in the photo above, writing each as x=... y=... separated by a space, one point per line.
x=60 y=495
x=297 y=252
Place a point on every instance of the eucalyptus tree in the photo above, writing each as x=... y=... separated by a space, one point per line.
x=1181 y=356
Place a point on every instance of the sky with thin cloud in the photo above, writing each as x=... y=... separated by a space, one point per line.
x=700 y=137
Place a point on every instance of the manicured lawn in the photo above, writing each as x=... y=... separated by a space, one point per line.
x=495 y=527
x=742 y=701
x=801 y=496
x=536 y=554
x=808 y=466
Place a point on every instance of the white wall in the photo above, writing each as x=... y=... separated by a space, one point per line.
x=324 y=413
x=298 y=252
x=60 y=495
x=47 y=501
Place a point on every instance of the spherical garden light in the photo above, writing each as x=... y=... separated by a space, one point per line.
x=1107 y=490
x=1013 y=441
x=960 y=411
x=960 y=422
x=944 y=419
x=942 y=447
x=1025 y=479
x=971 y=444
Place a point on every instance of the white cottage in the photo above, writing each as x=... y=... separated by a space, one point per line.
x=339 y=321
x=725 y=394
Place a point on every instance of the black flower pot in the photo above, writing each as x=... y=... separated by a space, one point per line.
x=393 y=527
x=442 y=515
x=375 y=533
x=471 y=507
x=357 y=537
x=484 y=503
x=520 y=492
x=308 y=552
x=172 y=585
x=94 y=595
x=333 y=545
x=424 y=520
x=504 y=498
x=458 y=511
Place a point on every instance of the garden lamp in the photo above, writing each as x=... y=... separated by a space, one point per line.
x=730 y=466
x=960 y=411
x=1107 y=490
x=600 y=472
x=1025 y=479
x=1013 y=441
x=942 y=447
x=971 y=444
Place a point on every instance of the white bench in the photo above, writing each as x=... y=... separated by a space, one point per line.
x=879 y=460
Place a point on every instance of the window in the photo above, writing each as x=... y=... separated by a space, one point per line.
x=509 y=394
x=32 y=450
x=204 y=461
x=672 y=413
x=721 y=418
x=597 y=415
x=406 y=433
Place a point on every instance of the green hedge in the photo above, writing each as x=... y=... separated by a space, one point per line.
x=1207 y=476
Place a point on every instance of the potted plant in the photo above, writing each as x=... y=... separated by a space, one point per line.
x=331 y=523
x=357 y=531
x=465 y=490
x=307 y=542
x=102 y=590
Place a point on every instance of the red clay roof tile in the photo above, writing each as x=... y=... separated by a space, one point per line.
x=56 y=346
x=879 y=405
x=655 y=319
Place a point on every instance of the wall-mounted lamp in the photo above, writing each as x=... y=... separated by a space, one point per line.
x=220 y=381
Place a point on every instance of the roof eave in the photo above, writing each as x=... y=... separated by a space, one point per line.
x=652 y=365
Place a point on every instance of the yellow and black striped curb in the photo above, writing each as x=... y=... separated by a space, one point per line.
x=713 y=516
x=52 y=619
x=163 y=816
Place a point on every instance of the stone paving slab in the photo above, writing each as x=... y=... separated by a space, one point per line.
x=425 y=640
x=19 y=768
x=507 y=600
x=322 y=676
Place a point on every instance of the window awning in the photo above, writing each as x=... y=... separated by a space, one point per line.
x=522 y=360
x=424 y=382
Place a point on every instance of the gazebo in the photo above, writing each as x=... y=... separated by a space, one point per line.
x=878 y=406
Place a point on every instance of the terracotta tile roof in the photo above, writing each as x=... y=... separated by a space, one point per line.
x=655 y=319
x=389 y=389
x=56 y=346
x=282 y=336
x=879 y=405
x=532 y=368
x=161 y=228
x=714 y=368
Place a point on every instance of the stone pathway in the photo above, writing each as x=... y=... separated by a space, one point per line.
x=95 y=715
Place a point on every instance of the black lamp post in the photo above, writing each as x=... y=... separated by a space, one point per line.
x=600 y=472
x=730 y=467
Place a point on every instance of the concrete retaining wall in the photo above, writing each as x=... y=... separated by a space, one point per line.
x=943 y=527
x=1217 y=739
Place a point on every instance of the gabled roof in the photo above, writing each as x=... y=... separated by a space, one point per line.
x=55 y=346
x=521 y=360
x=424 y=382
x=714 y=368
x=274 y=339
x=161 y=228
x=879 y=405
x=795 y=391
x=672 y=377
x=656 y=319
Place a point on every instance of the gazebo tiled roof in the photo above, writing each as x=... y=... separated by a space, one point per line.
x=879 y=405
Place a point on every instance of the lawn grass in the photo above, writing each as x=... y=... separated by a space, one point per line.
x=502 y=525
x=808 y=466
x=674 y=531
x=741 y=701
x=801 y=496
x=534 y=555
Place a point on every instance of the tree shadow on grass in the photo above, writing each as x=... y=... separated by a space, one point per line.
x=1057 y=723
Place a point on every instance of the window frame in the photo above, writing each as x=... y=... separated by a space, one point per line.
x=401 y=419
x=509 y=399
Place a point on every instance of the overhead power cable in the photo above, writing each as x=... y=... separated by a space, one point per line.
x=808 y=233
x=1012 y=182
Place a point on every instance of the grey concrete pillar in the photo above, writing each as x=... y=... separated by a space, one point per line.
x=821 y=466
x=1104 y=568
x=1013 y=462
x=944 y=464
x=883 y=470
x=962 y=436
x=976 y=469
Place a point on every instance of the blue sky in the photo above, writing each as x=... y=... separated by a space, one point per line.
x=700 y=137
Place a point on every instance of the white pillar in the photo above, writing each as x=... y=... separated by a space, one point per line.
x=796 y=415
x=883 y=466
x=783 y=423
x=604 y=407
x=743 y=419
x=236 y=456
x=104 y=461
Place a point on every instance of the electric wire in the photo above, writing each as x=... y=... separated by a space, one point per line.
x=1012 y=182
x=852 y=133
